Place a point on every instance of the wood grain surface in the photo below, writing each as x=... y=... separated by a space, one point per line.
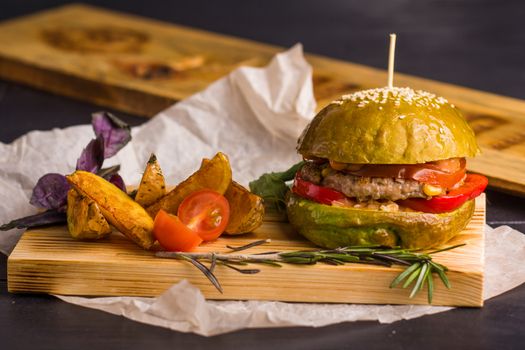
x=142 y=66
x=50 y=261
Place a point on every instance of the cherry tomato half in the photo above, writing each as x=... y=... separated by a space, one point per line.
x=206 y=212
x=174 y=235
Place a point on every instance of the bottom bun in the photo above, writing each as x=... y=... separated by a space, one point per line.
x=333 y=227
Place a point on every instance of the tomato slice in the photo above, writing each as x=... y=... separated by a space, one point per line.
x=433 y=177
x=314 y=192
x=473 y=186
x=206 y=212
x=444 y=173
x=173 y=235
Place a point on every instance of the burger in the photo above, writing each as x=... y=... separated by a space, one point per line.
x=385 y=167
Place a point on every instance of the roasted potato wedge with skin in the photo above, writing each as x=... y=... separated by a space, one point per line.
x=84 y=218
x=215 y=175
x=152 y=185
x=117 y=207
x=246 y=209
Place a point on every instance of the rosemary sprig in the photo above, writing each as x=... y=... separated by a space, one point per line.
x=249 y=245
x=418 y=272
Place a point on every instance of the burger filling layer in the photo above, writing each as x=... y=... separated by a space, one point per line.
x=362 y=188
x=431 y=187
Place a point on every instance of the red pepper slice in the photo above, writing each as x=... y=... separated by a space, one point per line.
x=314 y=192
x=473 y=186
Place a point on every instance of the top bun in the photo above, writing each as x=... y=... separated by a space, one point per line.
x=388 y=126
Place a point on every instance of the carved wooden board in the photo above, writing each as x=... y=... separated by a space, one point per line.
x=142 y=66
x=50 y=261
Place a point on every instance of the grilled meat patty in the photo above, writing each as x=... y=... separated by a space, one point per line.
x=363 y=188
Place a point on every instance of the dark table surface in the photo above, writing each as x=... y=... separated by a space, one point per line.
x=479 y=44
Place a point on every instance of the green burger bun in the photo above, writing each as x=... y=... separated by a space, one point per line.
x=388 y=126
x=332 y=227
x=383 y=126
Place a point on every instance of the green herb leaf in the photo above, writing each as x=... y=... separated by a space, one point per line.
x=270 y=262
x=404 y=274
x=209 y=274
x=272 y=187
x=213 y=262
x=430 y=283
x=412 y=276
x=427 y=272
x=249 y=245
x=243 y=271
x=420 y=280
x=444 y=278
x=447 y=248
x=420 y=269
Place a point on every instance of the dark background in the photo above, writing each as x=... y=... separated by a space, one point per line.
x=475 y=43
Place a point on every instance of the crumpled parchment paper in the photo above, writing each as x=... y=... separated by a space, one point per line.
x=255 y=116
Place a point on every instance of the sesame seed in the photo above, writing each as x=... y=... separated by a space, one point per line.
x=396 y=95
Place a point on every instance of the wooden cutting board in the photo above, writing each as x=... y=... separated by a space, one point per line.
x=142 y=66
x=50 y=261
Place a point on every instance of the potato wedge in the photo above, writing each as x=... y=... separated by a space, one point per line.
x=215 y=175
x=246 y=210
x=84 y=218
x=152 y=185
x=117 y=207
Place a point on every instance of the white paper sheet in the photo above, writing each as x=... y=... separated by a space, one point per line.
x=255 y=116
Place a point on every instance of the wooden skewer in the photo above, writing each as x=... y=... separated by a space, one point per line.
x=391 y=55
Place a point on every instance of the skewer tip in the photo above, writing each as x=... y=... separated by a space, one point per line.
x=391 y=55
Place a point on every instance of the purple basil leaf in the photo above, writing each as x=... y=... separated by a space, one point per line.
x=107 y=172
x=50 y=192
x=48 y=217
x=92 y=156
x=117 y=180
x=115 y=132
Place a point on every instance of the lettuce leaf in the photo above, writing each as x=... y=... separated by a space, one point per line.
x=272 y=187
